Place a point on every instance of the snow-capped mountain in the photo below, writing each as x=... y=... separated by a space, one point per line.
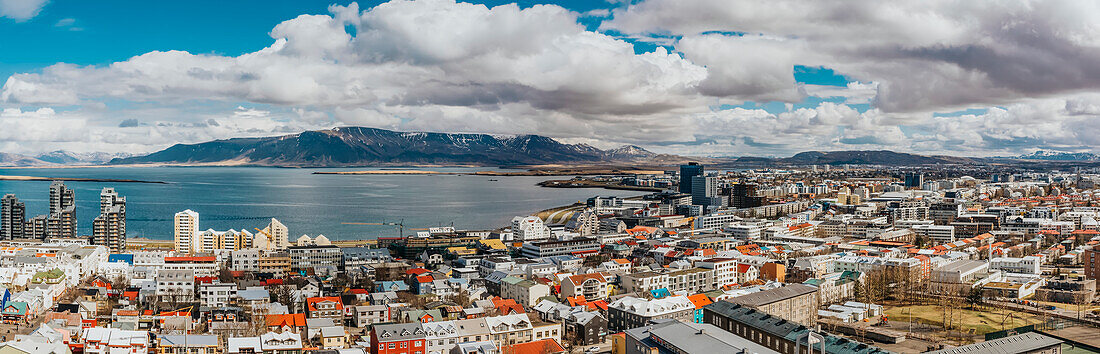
x=1059 y=156
x=358 y=146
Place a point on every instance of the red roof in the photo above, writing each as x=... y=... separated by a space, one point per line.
x=190 y=259
x=291 y=320
x=311 y=302
x=417 y=271
x=544 y=346
x=700 y=300
x=206 y=280
x=424 y=279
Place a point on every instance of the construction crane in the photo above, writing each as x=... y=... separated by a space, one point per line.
x=270 y=239
x=400 y=225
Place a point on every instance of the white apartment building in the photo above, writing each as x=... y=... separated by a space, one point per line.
x=529 y=228
x=275 y=236
x=937 y=233
x=725 y=270
x=230 y=240
x=217 y=294
x=1024 y=265
x=186 y=230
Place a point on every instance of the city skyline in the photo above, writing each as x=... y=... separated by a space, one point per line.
x=700 y=78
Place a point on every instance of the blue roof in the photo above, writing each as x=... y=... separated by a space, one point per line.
x=660 y=293
x=119 y=257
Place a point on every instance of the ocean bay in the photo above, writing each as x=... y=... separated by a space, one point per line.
x=245 y=197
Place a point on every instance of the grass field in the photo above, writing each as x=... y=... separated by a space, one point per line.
x=980 y=322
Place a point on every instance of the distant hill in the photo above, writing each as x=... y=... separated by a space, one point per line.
x=16 y=160
x=358 y=146
x=857 y=157
x=1058 y=156
x=63 y=157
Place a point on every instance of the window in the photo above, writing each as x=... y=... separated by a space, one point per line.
x=393 y=345
x=417 y=343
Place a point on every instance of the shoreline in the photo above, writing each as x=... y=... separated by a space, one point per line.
x=75 y=179
x=564 y=172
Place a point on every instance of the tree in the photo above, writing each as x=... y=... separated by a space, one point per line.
x=461 y=298
x=974 y=297
x=225 y=275
x=282 y=294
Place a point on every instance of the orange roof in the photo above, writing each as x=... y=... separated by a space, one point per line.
x=291 y=320
x=311 y=302
x=581 y=278
x=544 y=346
x=127 y=312
x=190 y=259
x=620 y=261
x=417 y=271
x=700 y=300
x=424 y=279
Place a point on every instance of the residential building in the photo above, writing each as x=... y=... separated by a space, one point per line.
x=777 y=333
x=594 y=286
x=525 y=292
x=579 y=246
x=109 y=228
x=797 y=303
x=303 y=258
x=13 y=217
x=275 y=236
x=529 y=228
x=99 y=340
x=631 y=312
x=325 y=307
x=398 y=338
x=1030 y=343
x=186 y=231
x=670 y=336
x=188 y=344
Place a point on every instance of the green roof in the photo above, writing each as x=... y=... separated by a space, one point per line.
x=15 y=308
x=788 y=330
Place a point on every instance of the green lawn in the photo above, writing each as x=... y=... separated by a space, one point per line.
x=980 y=321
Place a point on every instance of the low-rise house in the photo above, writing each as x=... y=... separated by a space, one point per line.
x=100 y=340
x=525 y=292
x=334 y=337
x=188 y=344
x=594 y=286
x=440 y=337
x=365 y=315
x=631 y=312
x=325 y=307
x=397 y=338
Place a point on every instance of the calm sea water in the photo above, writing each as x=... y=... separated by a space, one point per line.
x=246 y=197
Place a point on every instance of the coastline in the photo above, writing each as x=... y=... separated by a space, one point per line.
x=534 y=172
x=75 y=179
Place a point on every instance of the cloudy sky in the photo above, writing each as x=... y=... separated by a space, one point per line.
x=695 y=77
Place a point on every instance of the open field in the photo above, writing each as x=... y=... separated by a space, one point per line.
x=970 y=321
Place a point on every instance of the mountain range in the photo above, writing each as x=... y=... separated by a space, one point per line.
x=358 y=146
x=59 y=157
x=1047 y=155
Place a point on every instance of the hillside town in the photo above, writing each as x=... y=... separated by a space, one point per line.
x=821 y=259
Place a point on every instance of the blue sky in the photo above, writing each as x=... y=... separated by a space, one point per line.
x=700 y=77
x=102 y=32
